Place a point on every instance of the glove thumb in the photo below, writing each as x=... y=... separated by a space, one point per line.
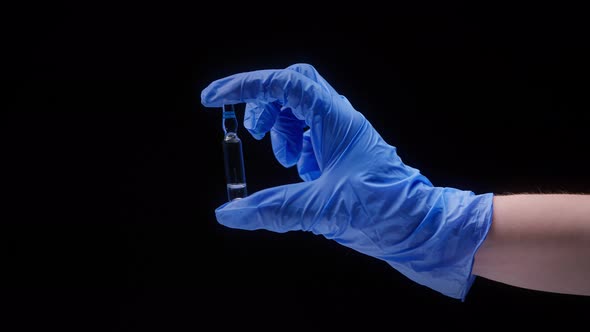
x=278 y=209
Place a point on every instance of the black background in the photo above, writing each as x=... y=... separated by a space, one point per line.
x=113 y=169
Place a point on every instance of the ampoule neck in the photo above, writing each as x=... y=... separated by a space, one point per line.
x=230 y=122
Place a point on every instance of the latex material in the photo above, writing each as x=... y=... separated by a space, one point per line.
x=356 y=189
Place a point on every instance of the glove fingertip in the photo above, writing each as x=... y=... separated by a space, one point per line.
x=230 y=216
x=286 y=148
x=256 y=134
x=206 y=95
x=285 y=157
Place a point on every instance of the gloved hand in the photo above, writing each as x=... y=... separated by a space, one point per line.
x=356 y=189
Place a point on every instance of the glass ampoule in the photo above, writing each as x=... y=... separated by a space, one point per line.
x=235 y=174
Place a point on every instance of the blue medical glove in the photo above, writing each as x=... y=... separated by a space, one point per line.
x=356 y=189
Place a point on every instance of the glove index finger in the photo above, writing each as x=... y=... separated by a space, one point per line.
x=287 y=87
x=310 y=71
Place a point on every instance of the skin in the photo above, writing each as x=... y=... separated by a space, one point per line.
x=539 y=242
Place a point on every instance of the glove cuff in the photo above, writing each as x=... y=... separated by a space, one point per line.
x=452 y=231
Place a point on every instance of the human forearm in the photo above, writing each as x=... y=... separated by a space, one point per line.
x=538 y=242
